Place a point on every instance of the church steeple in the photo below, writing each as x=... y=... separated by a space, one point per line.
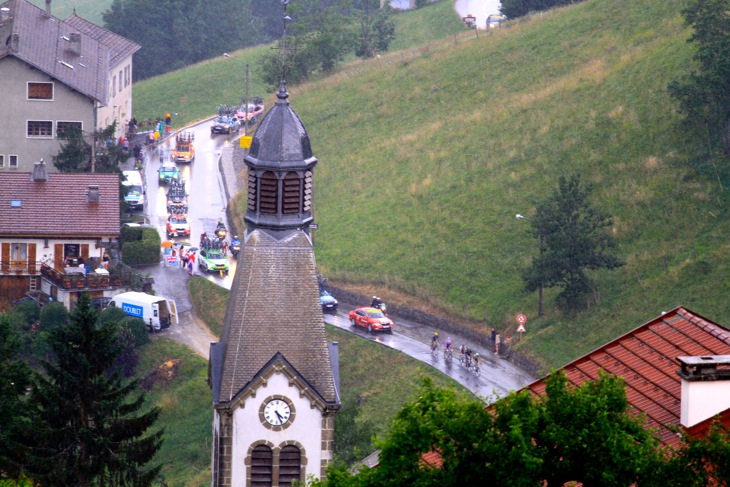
x=280 y=169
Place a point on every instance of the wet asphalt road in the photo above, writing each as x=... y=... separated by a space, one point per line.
x=207 y=203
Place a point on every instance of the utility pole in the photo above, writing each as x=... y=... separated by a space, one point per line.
x=245 y=102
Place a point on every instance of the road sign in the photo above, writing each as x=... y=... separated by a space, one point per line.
x=521 y=328
x=521 y=319
x=245 y=141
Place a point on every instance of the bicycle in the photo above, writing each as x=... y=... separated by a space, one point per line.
x=434 y=348
x=448 y=355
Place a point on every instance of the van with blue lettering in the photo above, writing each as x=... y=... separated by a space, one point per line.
x=156 y=311
x=135 y=188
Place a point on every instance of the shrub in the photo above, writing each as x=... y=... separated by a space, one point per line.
x=30 y=310
x=136 y=326
x=140 y=245
x=53 y=315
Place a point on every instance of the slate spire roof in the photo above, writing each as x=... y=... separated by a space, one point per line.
x=274 y=306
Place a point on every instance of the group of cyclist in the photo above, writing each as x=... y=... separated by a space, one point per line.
x=467 y=356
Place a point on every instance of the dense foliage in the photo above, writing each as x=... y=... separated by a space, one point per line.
x=176 y=33
x=704 y=97
x=574 y=434
x=572 y=237
x=320 y=34
x=87 y=428
x=101 y=154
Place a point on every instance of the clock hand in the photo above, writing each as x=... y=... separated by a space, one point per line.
x=281 y=420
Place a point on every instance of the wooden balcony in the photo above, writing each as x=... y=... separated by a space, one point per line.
x=78 y=281
x=19 y=268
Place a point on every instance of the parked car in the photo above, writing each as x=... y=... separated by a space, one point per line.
x=225 y=124
x=329 y=303
x=168 y=171
x=211 y=260
x=371 y=318
x=252 y=115
x=178 y=225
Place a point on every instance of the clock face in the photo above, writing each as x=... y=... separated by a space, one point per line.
x=277 y=412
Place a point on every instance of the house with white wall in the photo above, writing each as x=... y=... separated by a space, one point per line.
x=54 y=74
x=50 y=223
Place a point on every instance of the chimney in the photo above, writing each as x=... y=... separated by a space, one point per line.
x=92 y=194
x=48 y=8
x=39 y=172
x=74 y=39
x=705 y=387
x=4 y=14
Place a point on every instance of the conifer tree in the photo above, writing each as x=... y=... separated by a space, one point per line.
x=90 y=430
x=573 y=238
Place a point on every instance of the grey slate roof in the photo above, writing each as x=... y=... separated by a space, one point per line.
x=59 y=207
x=273 y=308
x=280 y=137
x=119 y=47
x=40 y=40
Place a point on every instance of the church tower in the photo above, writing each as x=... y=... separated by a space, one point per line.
x=273 y=375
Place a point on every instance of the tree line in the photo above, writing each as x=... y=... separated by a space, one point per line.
x=177 y=33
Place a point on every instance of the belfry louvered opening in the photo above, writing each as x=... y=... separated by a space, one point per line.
x=292 y=194
x=262 y=466
x=268 y=193
x=290 y=466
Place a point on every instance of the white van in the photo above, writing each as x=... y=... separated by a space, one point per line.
x=156 y=311
x=136 y=189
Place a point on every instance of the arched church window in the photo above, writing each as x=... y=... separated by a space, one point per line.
x=292 y=193
x=290 y=465
x=268 y=192
x=262 y=466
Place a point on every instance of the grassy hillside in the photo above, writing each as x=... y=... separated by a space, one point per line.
x=194 y=92
x=91 y=10
x=426 y=155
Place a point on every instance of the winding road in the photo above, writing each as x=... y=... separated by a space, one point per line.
x=207 y=203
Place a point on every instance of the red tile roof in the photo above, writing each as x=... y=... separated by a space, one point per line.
x=646 y=359
x=59 y=207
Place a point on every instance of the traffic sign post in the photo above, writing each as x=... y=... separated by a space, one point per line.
x=521 y=320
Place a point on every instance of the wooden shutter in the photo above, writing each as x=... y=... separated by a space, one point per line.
x=85 y=253
x=262 y=466
x=31 y=258
x=290 y=466
x=5 y=257
x=58 y=256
